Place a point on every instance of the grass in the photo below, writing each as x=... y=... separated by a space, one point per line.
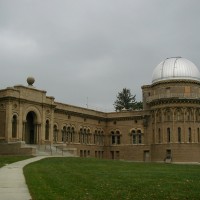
x=92 y=179
x=4 y=160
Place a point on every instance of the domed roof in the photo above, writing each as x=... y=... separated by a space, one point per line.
x=175 y=68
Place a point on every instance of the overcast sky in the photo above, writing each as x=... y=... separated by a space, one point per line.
x=86 y=51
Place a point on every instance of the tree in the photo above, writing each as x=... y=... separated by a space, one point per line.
x=138 y=105
x=125 y=100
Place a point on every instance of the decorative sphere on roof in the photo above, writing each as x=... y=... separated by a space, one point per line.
x=175 y=68
x=30 y=81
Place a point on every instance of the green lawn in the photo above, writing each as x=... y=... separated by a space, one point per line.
x=79 y=178
x=10 y=159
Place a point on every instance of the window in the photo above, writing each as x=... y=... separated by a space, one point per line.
x=72 y=134
x=115 y=137
x=55 y=133
x=99 y=137
x=168 y=115
x=189 y=135
x=95 y=137
x=64 y=134
x=80 y=135
x=139 y=137
x=84 y=135
x=198 y=136
x=168 y=154
x=189 y=115
x=159 y=136
x=158 y=116
x=47 y=130
x=69 y=134
x=14 y=126
x=81 y=153
x=178 y=115
x=198 y=115
x=179 y=134
x=168 y=135
x=136 y=136
x=118 y=137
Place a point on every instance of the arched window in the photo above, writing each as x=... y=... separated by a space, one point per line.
x=168 y=135
x=84 y=141
x=14 y=126
x=159 y=136
x=179 y=134
x=72 y=134
x=115 y=137
x=198 y=115
x=80 y=135
x=134 y=136
x=139 y=137
x=88 y=136
x=189 y=115
x=118 y=137
x=99 y=137
x=158 y=116
x=47 y=130
x=95 y=137
x=189 y=135
x=102 y=138
x=168 y=115
x=64 y=134
x=55 y=133
x=67 y=135
x=178 y=115
x=84 y=136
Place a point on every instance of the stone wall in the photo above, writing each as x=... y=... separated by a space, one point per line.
x=16 y=148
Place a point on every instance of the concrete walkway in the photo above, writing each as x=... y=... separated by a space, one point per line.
x=12 y=181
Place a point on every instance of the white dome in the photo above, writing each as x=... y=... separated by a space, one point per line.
x=175 y=68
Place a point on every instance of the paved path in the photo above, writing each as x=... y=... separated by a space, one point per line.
x=12 y=181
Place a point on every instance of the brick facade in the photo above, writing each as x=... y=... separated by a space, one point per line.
x=168 y=127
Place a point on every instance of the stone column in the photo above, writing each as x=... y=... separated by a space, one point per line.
x=8 y=125
x=51 y=126
x=184 y=131
x=43 y=126
x=194 y=138
x=155 y=127
x=20 y=122
x=173 y=127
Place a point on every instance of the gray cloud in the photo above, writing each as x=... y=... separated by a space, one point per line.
x=89 y=50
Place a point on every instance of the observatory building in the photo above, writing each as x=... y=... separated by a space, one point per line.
x=166 y=130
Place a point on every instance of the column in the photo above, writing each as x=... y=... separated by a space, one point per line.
x=155 y=127
x=173 y=128
x=24 y=131
x=8 y=125
x=20 y=122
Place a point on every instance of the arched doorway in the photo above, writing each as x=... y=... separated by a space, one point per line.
x=30 y=135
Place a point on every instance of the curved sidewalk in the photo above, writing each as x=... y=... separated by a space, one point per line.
x=12 y=181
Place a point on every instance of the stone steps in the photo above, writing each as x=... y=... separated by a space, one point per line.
x=51 y=150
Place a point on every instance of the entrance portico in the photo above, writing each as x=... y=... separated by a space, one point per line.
x=32 y=126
